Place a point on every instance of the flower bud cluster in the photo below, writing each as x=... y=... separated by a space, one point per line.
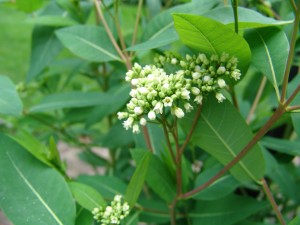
x=154 y=91
x=112 y=214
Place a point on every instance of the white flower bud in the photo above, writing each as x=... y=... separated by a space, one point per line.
x=143 y=90
x=143 y=121
x=202 y=57
x=128 y=123
x=221 y=83
x=174 y=61
x=129 y=75
x=134 y=82
x=197 y=68
x=206 y=78
x=188 y=107
x=185 y=94
x=196 y=75
x=178 y=112
x=182 y=63
x=122 y=115
x=167 y=101
x=158 y=108
x=151 y=115
x=198 y=99
x=188 y=57
x=195 y=90
x=136 y=128
x=133 y=93
x=220 y=97
x=118 y=198
x=221 y=70
x=138 y=110
x=236 y=74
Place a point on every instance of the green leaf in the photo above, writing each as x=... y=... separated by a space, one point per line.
x=84 y=217
x=137 y=180
x=270 y=48
x=158 y=177
x=10 y=102
x=211 y=37
x=247 y=18
x=219 y=189
x=51 y=20
x=44 y=47
x=155 y=211
x=108 y=186
x=281 y=145
x=295 y=115
x=222 y=132
x=88 y=42
x=225 y=211
x=160 y=30
x=87 y=196
x=31 y=192
x=295 y=221
x=29 y=5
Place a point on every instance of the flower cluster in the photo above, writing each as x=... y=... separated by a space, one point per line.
x=112 y=214
x=154 y=91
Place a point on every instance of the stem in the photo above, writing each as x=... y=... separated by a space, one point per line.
x=293 y=95
x=234 y=99
x=189 y=136
x=257 y=98
x=147 y=138
x=136 y=26
x=272 y=201
x=277 y=114
x=173 y=212
x=110 y=35
x=235 y=13
x=293 y=6
x=168 y=138
x=291 y=52
x=293 y=108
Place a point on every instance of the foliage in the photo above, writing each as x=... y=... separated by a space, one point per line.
x=208 y=91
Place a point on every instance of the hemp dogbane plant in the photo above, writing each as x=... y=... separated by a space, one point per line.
x=206 y=132
x=155 y=92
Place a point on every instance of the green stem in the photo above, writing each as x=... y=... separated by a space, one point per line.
x=136 y=26
x=168 y=138
x=235 y=13
x=291 y=52
x=272 y=202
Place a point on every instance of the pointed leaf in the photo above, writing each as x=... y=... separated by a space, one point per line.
x=295 y=221
x=211 y=37
x=88 y=42
x=137 y=180
x=30 y=191
x=222 y=132
x=10 y=102
x=44 y=48
x=281 y=145
x=87 y=196
x=270 y=48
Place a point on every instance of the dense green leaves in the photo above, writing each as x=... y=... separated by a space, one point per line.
x=269 y=47
x=223 y=133
x=88 y=42
x=10 y=102
x=281 y=145
x=137 y=180
x=225 y=211
x=211 y=37
x=30 y=192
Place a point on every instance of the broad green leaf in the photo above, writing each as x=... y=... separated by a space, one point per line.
x=226 y=211
x=10 y=102
x=247 y=18
x=281 y=145
x=132 y=219
x=295 y=115
x=31 y=192
x=211 y=37
x=219 y=189
x=108 y=186
x=154 y=211
x=270 y=48
x=47 y=20
x=87 y=196
x=158 y=178
x=160 y=30
x=137 y=180
x=222 y=132
x=44 y=47
x=88 y=42
x=295 y=221
x=29 y=5
x=84 y=217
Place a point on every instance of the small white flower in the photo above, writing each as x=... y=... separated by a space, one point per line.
x=202 y=57
x=138 y=110
x=196 y=75
x=134 y=82
x=118 y=198
x=182 y=63
x=185 y=94
x=188 y=107
x=167 y=101
x=236 y=74
x=158 y=108
x=206 y=78
x=195 y=90
x=220 y=97
x=143 y=121
x=166 y=87
x=133 y=93
x=221 y=83
x=125 y=206
x=197 y=68
x=151 y=115
x=198 y=99
x=122 y=115
x=178 y=112
x=188 y=57
x=128 y=123
x=136 y=128
x=129 y=75
x=137 y=66
x=221 y=70
x=174 y=61
x=143 y=90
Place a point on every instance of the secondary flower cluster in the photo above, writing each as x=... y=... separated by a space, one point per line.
x=155 y=92
x=112 y=214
